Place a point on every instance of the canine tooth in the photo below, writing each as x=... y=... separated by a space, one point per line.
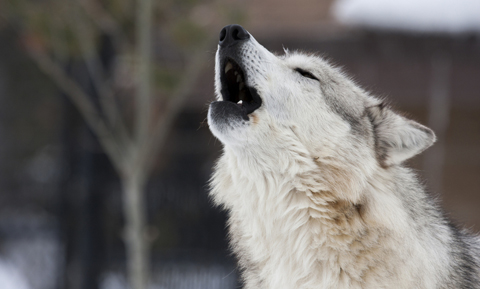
x=228 y=67
x=239 y=78
x=240 y=102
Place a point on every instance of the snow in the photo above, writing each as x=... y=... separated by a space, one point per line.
x=11 y=277
x=32 y=257
x=36 y=259
x=451 y=16
x=180 y=276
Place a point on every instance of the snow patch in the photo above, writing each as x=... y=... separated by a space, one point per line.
x=451 y=16
x=11 y=277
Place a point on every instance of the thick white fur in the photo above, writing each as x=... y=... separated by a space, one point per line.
x=314 y=204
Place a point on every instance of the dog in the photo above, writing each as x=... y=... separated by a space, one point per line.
x=312 y=179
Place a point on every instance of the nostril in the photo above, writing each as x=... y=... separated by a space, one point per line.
x=235 y=34
x=223 y=34
x=239 y=33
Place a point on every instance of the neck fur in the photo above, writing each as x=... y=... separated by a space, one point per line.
x=292 y=212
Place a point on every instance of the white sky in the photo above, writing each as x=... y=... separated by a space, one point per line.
x=414 y=15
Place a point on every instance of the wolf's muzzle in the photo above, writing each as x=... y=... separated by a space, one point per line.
x=238 y=98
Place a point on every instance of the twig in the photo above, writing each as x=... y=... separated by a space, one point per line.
x=84 y=105
x=164 y=123
x=106 y=22
x=101 y=86
x=143 y=72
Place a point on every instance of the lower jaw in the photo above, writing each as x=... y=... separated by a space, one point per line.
x=253 y=103
x=221 y=111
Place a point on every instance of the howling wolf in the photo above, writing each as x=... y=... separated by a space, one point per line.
x=312 y=178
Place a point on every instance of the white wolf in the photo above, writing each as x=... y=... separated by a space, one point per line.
x=312 y=178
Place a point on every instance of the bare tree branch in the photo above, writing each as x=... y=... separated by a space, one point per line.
x=106 y=22
x=163 y=125
x=97 y=73
x=144 y=85
x=85 y=106
x=59 y=54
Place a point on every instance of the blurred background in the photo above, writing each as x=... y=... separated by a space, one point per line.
x=105 y=155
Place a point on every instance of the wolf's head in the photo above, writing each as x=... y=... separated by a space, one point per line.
x=267 y=103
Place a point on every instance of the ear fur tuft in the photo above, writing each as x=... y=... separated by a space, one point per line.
x=397 y=138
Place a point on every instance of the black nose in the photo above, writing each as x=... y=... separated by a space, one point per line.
x=232 y=34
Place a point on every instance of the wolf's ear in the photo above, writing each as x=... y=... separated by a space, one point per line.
x=397 y=138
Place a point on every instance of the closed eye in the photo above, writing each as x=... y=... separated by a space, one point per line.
x=305 y=73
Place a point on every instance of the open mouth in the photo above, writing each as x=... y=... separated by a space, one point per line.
x=234 y=88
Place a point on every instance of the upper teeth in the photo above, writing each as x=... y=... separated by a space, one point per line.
x=239 y=79
x=228 y=66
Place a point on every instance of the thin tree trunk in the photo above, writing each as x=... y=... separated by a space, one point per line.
x=136 y=246
x=138 y=265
